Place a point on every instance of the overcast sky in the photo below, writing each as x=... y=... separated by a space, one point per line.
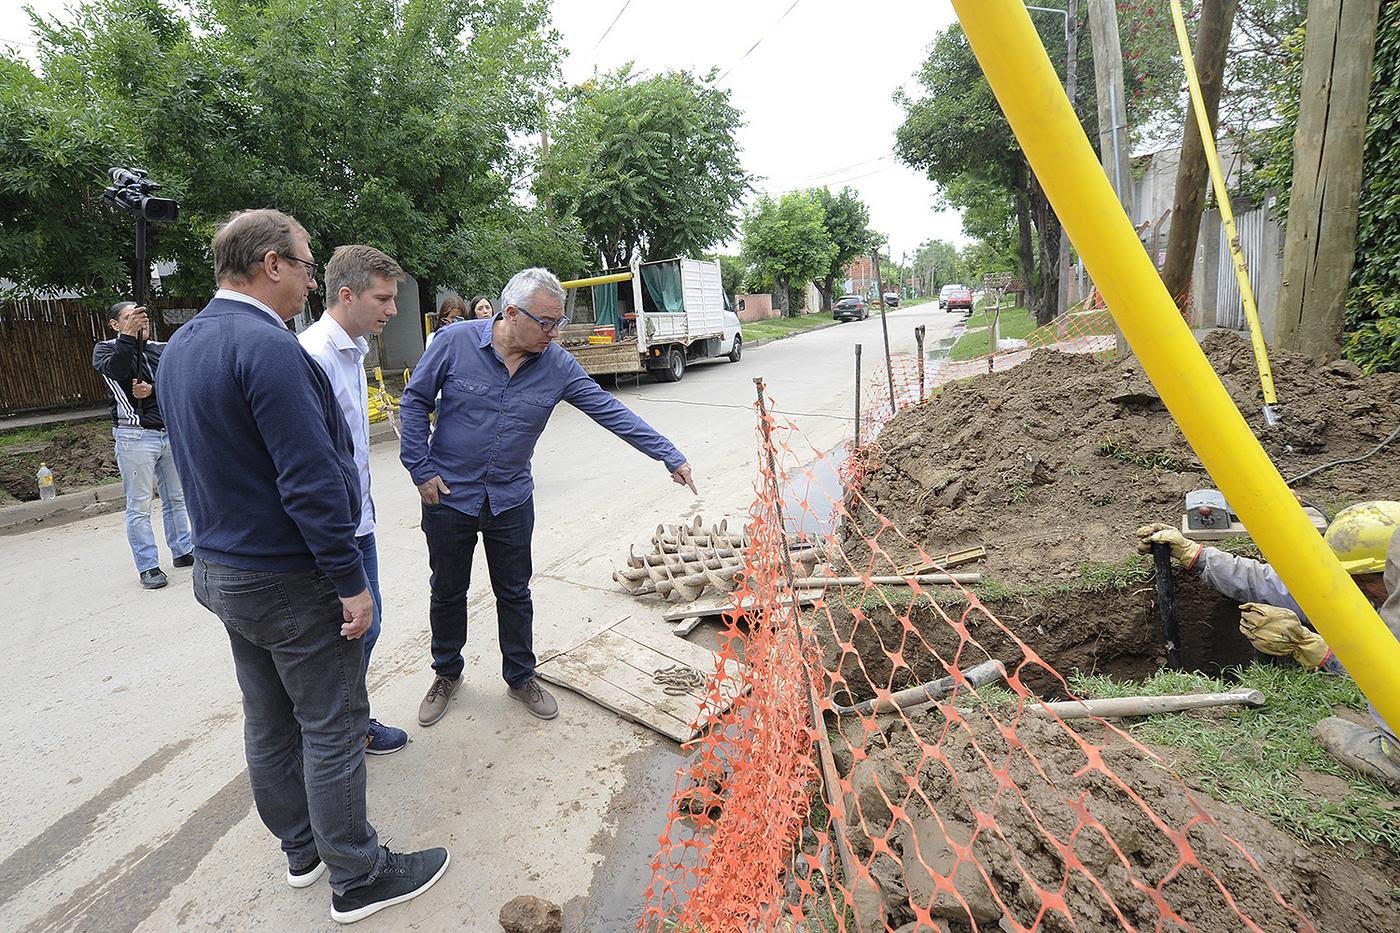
x=816 y=92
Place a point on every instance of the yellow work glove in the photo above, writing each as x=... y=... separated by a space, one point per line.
x=1183 y=549
x=1279 y=632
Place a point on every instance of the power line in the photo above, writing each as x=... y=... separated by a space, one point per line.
x=608 y=31
x=758 y=43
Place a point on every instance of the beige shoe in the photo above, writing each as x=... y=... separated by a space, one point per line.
x=539 y=701
x=1363 y=749
x=434 y=705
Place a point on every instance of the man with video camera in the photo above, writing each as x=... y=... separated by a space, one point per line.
x=128 y=364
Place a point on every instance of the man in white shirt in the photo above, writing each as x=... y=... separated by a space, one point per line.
x=361 y=285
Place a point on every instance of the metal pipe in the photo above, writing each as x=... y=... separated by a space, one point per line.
x=1111 y=707
x=985 y=673
x=598 y=280
x=1166 y=602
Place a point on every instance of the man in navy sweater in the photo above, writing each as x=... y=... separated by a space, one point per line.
x=274 y=500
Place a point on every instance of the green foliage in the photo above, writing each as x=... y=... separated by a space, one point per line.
x=1012 y=324
x=372 y=121
x=938 y=263
x=847 y=221
x=647 y=163
x=1251 y=757
x=786 y=241
x=1273 y=147
x=1372 y=318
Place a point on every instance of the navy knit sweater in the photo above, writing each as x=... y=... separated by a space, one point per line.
x=263 y=452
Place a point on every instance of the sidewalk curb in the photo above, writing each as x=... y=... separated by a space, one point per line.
x=94 y=500
x=797 y=333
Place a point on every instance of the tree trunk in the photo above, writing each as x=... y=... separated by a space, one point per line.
x=1023 y=226
x=826 y=286
x=1319 y=247
x=1048 y=233
x=1192 y=171
x=780 y=293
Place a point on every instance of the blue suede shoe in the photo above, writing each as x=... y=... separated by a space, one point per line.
x=384 y=740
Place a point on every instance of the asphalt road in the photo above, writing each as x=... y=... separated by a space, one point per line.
x=123 y=783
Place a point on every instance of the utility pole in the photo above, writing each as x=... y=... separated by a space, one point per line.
x=1071 y=87
x=1113 y=109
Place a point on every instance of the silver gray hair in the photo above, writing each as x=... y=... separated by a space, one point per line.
x=527 y=283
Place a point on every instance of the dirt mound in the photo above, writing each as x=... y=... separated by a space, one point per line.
x=1041 y=845
x=1054 y=463
x=79 y=455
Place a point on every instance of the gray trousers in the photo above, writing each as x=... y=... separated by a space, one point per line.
x=305 y=711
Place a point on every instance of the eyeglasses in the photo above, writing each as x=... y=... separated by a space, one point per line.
x=545 y=325
x=311 y=267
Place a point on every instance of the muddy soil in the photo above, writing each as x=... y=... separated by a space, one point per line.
x=79 y=455
x=1072 y=838
x=1053 y=464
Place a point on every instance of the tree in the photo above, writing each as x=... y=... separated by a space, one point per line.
x=786 y=242
x=938 y=263
x=647 y=164
x=1192 y=170
x=847 y=222
x=372 y=121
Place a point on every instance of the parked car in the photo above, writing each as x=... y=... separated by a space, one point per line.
x=892 y=299
x=850 y=308
x=952 y=297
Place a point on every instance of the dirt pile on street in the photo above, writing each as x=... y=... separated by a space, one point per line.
x=1026 y=835
x=1054 y=463
x=79 y=455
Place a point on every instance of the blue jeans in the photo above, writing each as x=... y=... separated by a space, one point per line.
x=370 y=557
x=451 y=539
x=145 y=462
x=305 y=714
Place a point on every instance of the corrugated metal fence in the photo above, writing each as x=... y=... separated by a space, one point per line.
x=46 y=350
x=1229 y=306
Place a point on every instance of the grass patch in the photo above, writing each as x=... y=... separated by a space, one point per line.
x=777 y=327
x=26 y=436
x=1116 y=449
x=1251 y=757
x=1015 y=323
x=1096 y=576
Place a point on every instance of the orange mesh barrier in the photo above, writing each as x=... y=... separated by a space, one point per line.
x=803 y=808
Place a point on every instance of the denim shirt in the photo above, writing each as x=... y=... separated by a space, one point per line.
x=488 y=421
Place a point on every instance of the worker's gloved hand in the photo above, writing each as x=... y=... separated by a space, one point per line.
x=1279 y=632
x=1183 y=549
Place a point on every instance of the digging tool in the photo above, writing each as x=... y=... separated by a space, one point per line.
x=1144 y=706
x=985 y=673
x=1166 y=601
x=951 y=559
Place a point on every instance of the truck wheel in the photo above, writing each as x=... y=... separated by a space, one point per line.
x=674 y=368
x=738 y=350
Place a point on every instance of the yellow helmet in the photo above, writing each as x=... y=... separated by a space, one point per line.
x=1360 y=535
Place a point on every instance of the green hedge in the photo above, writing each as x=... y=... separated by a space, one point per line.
x=1372 y=330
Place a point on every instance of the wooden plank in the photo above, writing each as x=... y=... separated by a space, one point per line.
x=719 y=605
x=675 y=650
x=685 y=626
x=573 y=674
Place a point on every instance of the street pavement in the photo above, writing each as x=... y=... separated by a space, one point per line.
x=124 y=787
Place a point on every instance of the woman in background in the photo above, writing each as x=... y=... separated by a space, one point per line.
x=481 y=308
x=450 y=311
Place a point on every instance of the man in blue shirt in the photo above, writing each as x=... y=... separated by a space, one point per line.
x=274 y=501
x=500 y=380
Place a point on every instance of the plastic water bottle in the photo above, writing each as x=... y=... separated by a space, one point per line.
x=45 y=477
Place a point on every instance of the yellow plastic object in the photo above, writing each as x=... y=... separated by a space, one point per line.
x=599 y=338
x=1025 y=84
x=598 y=280
x=1227 y=216
x=1360 y=535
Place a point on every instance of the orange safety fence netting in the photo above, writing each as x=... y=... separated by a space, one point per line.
x=801 y=807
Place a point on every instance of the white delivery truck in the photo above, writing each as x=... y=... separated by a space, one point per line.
x=655 y=317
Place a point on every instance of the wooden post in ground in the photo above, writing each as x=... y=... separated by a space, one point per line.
x=857 y=447
x=1319 y=247
x=1113 y=109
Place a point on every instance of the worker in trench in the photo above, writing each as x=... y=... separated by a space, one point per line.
x=1364 y=540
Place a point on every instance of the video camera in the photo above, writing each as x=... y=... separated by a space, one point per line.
x=131 y=191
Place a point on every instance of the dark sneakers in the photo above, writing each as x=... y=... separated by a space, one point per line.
x=184 y=560
x=434 y=705
x=402 y=878
x=384 y=740
x=539 y=701
x=306 y=877
x=154 y=578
